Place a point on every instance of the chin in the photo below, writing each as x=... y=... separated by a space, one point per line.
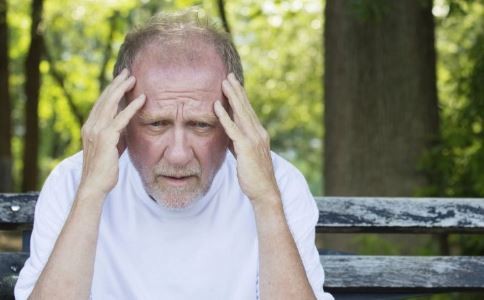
x=176 y=200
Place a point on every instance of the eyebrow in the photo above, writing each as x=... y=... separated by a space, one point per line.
x=146 y=117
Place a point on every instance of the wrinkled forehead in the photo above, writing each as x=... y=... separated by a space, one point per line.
x=188 y=110
x=180 y=82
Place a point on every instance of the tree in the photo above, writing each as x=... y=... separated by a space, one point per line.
x=5 y=111
x=32 y=90
x=457 y=163
x=381 y=112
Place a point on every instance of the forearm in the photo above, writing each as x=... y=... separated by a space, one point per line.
x=69 y=270
x=281 y=272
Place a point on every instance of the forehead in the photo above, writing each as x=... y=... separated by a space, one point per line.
x=179 y=61
x=173 y=75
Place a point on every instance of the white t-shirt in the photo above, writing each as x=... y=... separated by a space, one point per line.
x=145 y=251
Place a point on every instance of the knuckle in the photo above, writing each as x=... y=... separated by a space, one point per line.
x=266 y=139
x=105 y=134
x=95 y=130
x=86 y=132
x=246 y=142
x=232 y=126
x=265 y=135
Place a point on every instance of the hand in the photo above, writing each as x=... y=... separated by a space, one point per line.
x=251 y=145
x=101 y=134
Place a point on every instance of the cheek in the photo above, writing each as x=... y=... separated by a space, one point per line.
x=145 y=149
x=211 y=151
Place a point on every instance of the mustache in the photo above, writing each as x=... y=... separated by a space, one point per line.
x=177 y=171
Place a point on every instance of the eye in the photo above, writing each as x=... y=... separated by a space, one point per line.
x=202 y=125
x=158 y=123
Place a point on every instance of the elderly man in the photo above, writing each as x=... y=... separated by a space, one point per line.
x=176 y=194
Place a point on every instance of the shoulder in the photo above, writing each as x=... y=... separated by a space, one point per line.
x=61 y=185
x=282 y=167
x=287 y=175
x=69 y=166
x=298 y=201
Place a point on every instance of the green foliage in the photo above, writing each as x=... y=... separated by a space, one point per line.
x=280 y=44
x=456 y=165
x=279 y=41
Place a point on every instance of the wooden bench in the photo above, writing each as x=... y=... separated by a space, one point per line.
x=347 y=276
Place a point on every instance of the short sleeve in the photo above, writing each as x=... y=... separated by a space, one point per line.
x=51 y=210
x=302 y=216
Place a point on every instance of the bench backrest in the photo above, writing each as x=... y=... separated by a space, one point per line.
x=401 y=274
x=345 y=274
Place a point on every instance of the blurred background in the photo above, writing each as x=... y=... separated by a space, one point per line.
x=365 y=97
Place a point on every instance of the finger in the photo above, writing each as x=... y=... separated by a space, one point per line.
x=110 y=108
x=123 y=118
x=229 y=126
x=122 y=76
x=234 y=101
x=236 y=85
x=244 y=115
x=241 y=93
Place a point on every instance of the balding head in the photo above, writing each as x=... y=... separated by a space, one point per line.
x=180 y=38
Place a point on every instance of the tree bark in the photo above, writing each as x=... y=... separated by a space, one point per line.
x=381 y=112
x=60 y=79
x=5 y=104
x=103 y=81
x=223 y=15
x=32 y=90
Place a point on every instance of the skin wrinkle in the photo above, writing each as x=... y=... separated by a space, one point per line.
x=192 y=113
x=69 y=270
x=165 y=138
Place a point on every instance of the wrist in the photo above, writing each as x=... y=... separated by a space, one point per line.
x=90 y=195
x=268 y=205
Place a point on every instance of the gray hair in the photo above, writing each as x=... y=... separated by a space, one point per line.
x=180 y=26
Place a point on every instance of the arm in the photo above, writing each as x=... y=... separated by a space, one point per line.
x=69 y=269
x=281 y=272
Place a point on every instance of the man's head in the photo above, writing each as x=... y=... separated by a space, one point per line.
x=176 y=142
x=169 y=28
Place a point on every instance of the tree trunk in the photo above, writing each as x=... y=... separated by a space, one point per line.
x=32 y=89
x=6 y=108
x=223 y=15
x=381 y=112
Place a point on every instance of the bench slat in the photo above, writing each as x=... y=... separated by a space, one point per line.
x=353 y=273
x=339 y=214
x=385 y=215
x=17 y=209
x=10 y=265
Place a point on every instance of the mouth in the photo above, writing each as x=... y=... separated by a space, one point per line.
x=177 y=180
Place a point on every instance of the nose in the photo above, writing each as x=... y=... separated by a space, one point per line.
x=178 y=151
